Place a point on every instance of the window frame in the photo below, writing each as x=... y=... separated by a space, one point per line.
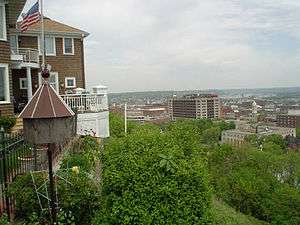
x=64 y=47
x=21 y=84
x=70 y=78
x=6 y=84
x=4 y=23
x=17 y=41
x=54 y=45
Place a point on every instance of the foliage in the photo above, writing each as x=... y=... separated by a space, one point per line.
x=117 y=125
x=255 y=182
x=82 y=154
x=298 y=132
x=23 y=190
x=77 y=190
x=149 y=179
x=273 y=143
x=7 y=122
x=223 y=125
x=4 y=220
x=79 y=196
x=211 y=135
x=225 y=215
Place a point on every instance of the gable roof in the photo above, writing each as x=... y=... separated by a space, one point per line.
x=46 y=103
x=55 y=27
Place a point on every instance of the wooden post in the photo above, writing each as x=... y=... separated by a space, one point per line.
x=51 y=183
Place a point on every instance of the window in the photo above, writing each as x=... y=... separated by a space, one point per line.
x=4 y=83
x=68 y=46
x=70 y=82
x=23 y=83
x=14 y=43
x=50 y=46
x=2 y=22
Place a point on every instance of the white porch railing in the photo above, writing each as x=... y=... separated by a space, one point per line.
x=29 y=55
x=85 y=103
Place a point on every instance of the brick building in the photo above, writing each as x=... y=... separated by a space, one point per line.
x=292 y=121
x=64 y=50
x=9 y=13
x=195 y=106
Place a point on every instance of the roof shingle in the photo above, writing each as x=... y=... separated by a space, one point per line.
x=46 y=103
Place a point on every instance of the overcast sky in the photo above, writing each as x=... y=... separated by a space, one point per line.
x=137 y=45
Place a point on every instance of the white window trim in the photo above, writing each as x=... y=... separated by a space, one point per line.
x=70 y=78
x=6 y=82
x=4 y=23
x=56 y=80
x=64 y=49
x=54 y=45
x=20 y=83
x=17 y=39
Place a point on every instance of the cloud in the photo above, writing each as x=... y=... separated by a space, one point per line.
x=175 y=44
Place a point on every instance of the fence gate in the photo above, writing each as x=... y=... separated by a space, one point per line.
x=16 y=157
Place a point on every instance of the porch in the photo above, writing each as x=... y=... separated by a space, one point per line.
x=25 y=66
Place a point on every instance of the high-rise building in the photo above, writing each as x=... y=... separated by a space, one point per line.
x=195 y=106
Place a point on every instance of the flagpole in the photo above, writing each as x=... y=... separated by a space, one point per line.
x=42 y=34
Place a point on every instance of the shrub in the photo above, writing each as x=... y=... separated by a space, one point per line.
x=148 y=179
x=7 y=123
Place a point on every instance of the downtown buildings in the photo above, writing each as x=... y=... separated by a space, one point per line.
x=195 y=106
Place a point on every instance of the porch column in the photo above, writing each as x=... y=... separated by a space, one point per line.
x=29 y=83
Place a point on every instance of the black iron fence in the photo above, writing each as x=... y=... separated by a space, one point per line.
x=16 y=157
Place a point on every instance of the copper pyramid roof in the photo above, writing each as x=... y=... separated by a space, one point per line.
x=46 y=103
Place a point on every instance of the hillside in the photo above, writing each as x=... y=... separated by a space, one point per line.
x=225 y=215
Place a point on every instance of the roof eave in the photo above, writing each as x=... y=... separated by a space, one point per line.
x=58 y=33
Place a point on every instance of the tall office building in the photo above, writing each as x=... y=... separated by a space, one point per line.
x=195 y=106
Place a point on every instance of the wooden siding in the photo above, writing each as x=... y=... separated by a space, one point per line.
x=65 y=65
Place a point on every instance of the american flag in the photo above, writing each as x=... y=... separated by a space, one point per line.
x=31 y=17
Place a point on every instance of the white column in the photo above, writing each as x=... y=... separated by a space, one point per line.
x=29 y=83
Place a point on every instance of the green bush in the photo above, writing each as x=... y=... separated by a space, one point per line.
x=148 y=179
x=4 y=220
x=264 y=184
x=23 y=190
x=7 y=123
x=83 y=154
x=77 y=190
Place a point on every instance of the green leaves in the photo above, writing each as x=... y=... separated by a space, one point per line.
x=150 y=177
x=168 y=163
x=7 y=122
x=252 y=181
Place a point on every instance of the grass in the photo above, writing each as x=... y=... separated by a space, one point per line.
x=225 y=215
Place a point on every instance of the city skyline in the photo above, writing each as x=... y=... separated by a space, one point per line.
x=184 y=45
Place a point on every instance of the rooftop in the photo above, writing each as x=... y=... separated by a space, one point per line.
x=46 y=103
x=55 y=27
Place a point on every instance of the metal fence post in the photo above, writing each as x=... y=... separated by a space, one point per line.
x=3 y=152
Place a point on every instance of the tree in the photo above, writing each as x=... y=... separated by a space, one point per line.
x=298 y=132
x=276 y=139
x=211 y=135
x=117 y=125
